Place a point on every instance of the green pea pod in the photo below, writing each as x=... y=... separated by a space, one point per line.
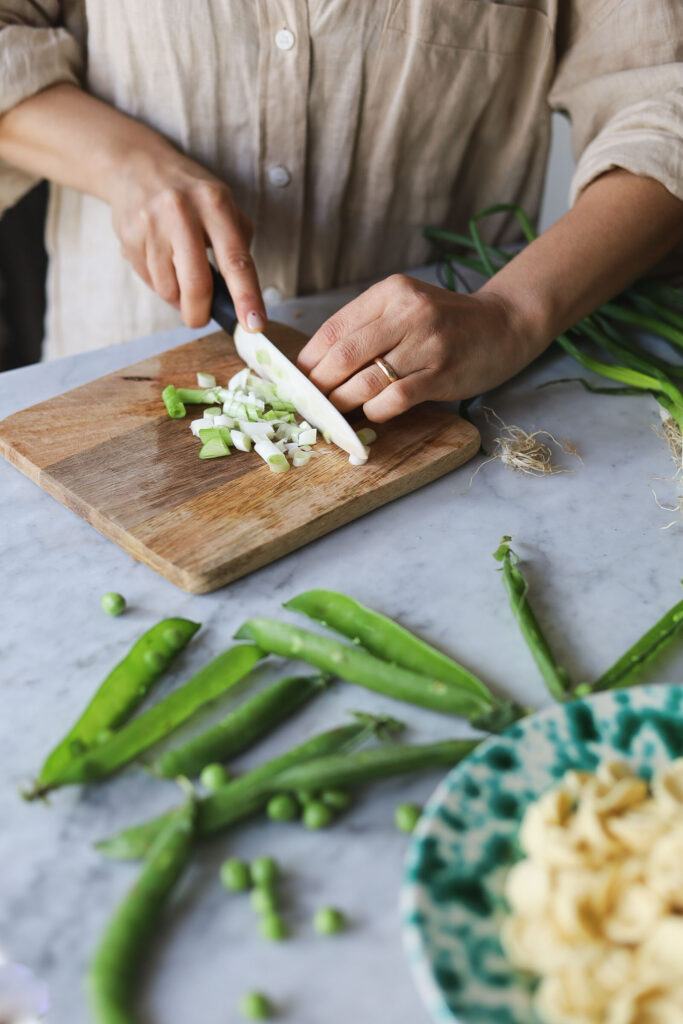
x=241 y=728
x=366 y=765
x=386 y=639
x=121 y=952
x=361 y=668
x=121 y=692
x=626 y=671
x=247 y=794
x=122 y=746
x=556 y=678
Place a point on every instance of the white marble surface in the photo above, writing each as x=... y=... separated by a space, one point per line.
x=601 y=570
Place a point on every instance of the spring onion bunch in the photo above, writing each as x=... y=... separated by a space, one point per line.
x=649 y=306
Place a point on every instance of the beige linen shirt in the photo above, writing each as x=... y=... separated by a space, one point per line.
x=342 y=126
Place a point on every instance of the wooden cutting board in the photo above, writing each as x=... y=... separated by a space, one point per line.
x=108 y=451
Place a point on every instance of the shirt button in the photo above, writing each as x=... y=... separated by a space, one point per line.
x=279 y=176
x=284 y=39
x=272 y=295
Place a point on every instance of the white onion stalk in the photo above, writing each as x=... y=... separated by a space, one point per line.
x=271 y=454
x=206 y=380
x=240 y=440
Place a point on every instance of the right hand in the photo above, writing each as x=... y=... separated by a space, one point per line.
x=166 y=210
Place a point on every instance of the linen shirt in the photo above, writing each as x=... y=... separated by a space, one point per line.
x=342 y=126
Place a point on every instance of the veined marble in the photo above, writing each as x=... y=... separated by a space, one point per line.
x=601 y=570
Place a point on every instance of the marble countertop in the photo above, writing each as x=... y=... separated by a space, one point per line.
x=601 y=570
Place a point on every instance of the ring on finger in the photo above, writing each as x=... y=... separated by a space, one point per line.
x=387 y=369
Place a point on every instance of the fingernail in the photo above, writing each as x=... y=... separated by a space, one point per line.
x=255 y=321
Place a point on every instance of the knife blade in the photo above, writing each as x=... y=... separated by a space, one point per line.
x=266 y=360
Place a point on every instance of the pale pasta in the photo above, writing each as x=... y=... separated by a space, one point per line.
x=597 y=902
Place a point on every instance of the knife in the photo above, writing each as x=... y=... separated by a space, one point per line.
x=266 y=360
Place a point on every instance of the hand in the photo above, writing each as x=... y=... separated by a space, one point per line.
x=166 y=209
x=443 y=346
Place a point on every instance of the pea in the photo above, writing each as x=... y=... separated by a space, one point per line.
x=406 y=817
x=329 y=921
x=255 y=1006
x=583 y=690
x=113 y=604
x=235 y=875
x=337 y=799
x=154 y=660
x=316 y=815
x=213 y=776
x=263 y=899
x=273 y=927
x=263 y=870
x=283 y=807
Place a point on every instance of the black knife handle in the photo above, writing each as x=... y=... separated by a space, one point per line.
x=222 y=306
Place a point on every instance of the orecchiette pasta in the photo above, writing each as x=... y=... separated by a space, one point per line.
x=597 y=903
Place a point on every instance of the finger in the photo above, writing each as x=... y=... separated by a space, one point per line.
x=401 y=395
x=188 y=253
x=347 y=321
x=162 y=273
x=371 y=380
x=231 y=249
x=355 y=351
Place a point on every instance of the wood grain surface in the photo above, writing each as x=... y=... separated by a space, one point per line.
x=108 y=451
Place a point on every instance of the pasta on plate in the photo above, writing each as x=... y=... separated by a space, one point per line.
x=597 y=902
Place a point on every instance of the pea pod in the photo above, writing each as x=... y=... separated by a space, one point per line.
x=625 y=671
x=366 y=765
x=241 y=728
x=121 y=952
x=121 y=692
x=386 y=639
x=122 y=746
x=250 y=792
x=556 y=678
x=361 y=668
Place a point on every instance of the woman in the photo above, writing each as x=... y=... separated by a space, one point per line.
x=337 y=128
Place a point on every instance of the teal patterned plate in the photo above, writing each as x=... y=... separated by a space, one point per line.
x=452 y=900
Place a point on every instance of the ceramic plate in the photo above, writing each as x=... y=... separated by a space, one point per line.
x=452 y=900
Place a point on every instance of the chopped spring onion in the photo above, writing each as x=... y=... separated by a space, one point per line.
x=367 y=435
x=173 y=403
x=239 y=380
x=214 y=449
x=240 y=441
x=258 y=431
x=309 y=436
x=196 y=396
x=270 y=453
x=222 y=433
x=206 y=380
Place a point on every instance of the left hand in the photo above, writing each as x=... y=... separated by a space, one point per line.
x=444 y=346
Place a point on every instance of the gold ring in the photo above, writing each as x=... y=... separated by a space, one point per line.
x=387 y=369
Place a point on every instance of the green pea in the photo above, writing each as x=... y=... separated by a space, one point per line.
x=273 y=927
x=173 y=638
x=337 y=799
x=214 y=776
x=255 y=1006
x=329 y=921
x=583 y=690
x=263 y=870
x=406 y=817
x=154 y=660
x=316 y=815
x=113 y=604
x=235 y=875
x=283 y=807
x=263 y=899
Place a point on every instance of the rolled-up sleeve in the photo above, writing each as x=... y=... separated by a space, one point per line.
x=35 y=52
x=620 y=80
